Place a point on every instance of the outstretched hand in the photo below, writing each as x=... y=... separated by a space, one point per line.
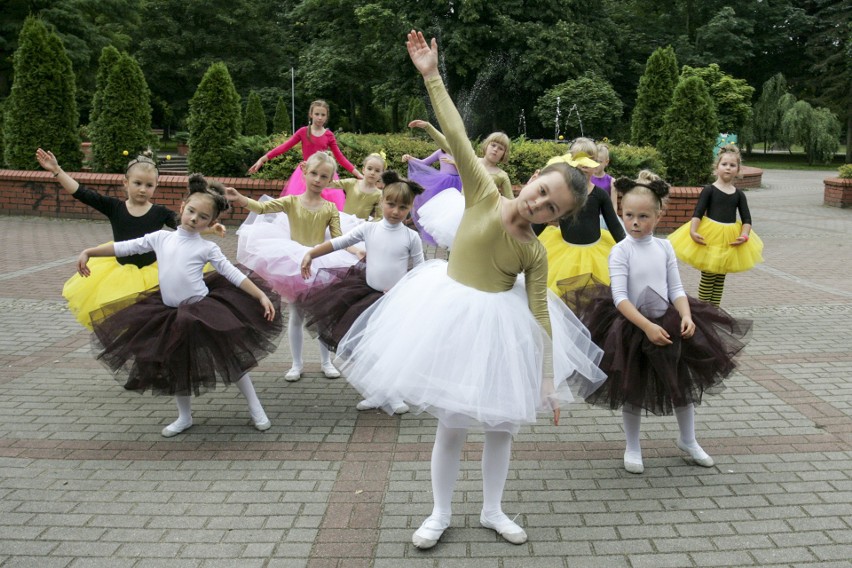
x=423 y=55
x=258 y=164
x=233 y=195
x=417 y=123
x=47 y=160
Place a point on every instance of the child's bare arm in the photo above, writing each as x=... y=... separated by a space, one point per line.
x=48 y=161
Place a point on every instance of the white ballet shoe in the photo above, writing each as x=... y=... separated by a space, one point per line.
x=505 y=527
x=365 y=405
x=262 y=423
x=400 y=408
x=633 y=462
x=698 y=455
x=293 y=375
x=330 y=371
x=175 y=428
x=430 y=531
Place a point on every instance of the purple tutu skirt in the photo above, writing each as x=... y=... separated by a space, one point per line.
x=331 y=311
x=649 y=376
x=433 y=182
x=296 y=186
x=188 y=349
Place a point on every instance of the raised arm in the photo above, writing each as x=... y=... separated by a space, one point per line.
x=476 y=181
x=48 y=161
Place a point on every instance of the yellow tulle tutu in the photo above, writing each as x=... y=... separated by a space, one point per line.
x=109 y=282
x=565 y=260
x=717 y=256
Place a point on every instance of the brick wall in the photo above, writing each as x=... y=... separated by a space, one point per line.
x=837 y=192
x=37 y=193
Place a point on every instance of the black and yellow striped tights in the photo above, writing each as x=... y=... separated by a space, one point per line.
x=711 y=287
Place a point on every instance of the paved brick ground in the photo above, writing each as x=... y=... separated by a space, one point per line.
x=86 y=479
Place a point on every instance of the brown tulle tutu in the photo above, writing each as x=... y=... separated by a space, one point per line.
x=645 y=375
x=331 y=310
x=189 y=349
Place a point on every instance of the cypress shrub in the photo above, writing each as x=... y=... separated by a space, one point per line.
x=41 y=109
x=689 y=133
x=109 y=57
x=124 y=119
x=654 y=96
x=255 y=122
x=214 y=120
x=282 y=122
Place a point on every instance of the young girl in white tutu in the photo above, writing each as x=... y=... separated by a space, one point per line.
x=467 y=340
x=194 y=332
x=275 y=249
x=391 y=247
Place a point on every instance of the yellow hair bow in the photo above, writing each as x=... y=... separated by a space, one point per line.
x=578 y=159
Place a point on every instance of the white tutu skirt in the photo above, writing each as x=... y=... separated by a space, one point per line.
x=441 y=216
x=265 y=247
x=466 y=356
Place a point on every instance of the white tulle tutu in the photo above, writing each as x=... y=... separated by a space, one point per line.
x=466 y=356
x=265 y=247
x=441 y=216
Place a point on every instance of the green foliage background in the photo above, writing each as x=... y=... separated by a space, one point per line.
x=214 y=121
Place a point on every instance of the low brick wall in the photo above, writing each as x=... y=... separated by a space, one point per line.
x=750 y=178
x=681 y=205
x=837 y=192
x=38 y=193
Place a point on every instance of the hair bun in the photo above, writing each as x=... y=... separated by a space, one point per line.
x=659 y=187
x=623 y=184
x=196 y=183
x=390 y=176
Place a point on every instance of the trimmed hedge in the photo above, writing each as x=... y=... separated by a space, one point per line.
x=41 y=110
x=526 y=156
x=214 y=121
x=255 y=121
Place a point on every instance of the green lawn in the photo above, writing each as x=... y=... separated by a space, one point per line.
x=786 y=161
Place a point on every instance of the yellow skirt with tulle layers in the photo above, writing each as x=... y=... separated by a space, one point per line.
x=718 y=256
x=109 y=281
x=565 y=260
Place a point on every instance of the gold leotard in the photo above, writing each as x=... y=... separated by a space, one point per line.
x=358 y=203
x=306 y=227
x=485 y=256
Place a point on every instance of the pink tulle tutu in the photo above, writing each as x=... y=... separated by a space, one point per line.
x=296 y=186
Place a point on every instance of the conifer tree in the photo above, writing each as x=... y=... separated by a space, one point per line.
x=41 y=109
x=124 y=118
x=255 y=121
x=282 y=122
x=654 y=96
x=689 y=133
x=214 y=120
x=109 y=57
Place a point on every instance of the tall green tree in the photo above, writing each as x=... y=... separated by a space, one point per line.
x=124 y=119
x=732 y=97
x=588 y=106
x=214 y=120
x=255 y=121
x=180 y=41
x=689 y=133
x=41 y=110
x=828 y=49
x=109 y=57
x=724 y=40
x=768 y=111
x=816 y=129
x=282 y=122
x=654 y=97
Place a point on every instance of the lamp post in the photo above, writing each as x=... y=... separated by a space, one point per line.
x=292 y=98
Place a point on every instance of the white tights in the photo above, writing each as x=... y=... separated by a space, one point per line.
x=295 y=330
x=184 y=403
x=632 y=416
x=446 y=461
